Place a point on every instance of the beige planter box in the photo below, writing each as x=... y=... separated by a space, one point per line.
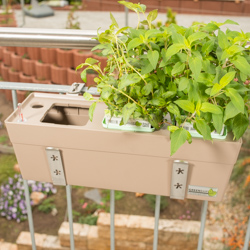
x=97 y=157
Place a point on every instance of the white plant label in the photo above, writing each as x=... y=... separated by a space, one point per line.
x=202 y=191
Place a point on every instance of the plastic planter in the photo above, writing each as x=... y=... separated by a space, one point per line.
x=93 y=156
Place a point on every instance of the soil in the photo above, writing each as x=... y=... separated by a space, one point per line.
x=129 y=204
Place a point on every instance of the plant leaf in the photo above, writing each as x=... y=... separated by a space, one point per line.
x=84 y=75
x=173 y=49
x=227 y=78
x=236 y=99
x=196 y=36
x=186 y=105
x=228 y=21
x=234 y=49
x=91 y=61
x=147 y=68
x=204 y=129
x=195 y=65
x=240 y=124
x=106 y=92
x=216 y=89
x=87 y=96
x=127 y=111
x=178 y=138
x=178 y=68
x=218 y=122
x=153 y=57
x=134 y=43
x=91 y=111
x=152 y=15
x=242 y=65
x=157 y=101
x=172 y=108
x=114 y=21
x=211 y=108
x=222 y=40
x=230 y=111
x=183 y=83
x=172 y=128
x=147 y=89
x=126 y=80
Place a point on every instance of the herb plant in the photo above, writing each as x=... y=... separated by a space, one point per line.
x=198 y=75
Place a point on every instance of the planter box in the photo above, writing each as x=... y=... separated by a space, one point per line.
x=128 y=161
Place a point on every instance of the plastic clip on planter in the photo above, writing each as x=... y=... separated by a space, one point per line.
x=62 y=122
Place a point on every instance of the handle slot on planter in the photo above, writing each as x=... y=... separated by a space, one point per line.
x=66 y=115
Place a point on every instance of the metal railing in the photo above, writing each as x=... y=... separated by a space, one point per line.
x=81 y=40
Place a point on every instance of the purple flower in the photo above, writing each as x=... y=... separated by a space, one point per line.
x=10 y=181
x=6 y=205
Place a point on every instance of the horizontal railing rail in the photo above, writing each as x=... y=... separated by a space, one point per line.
x=48 y=38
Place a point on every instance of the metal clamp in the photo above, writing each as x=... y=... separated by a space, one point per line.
x=56 y=166
x=76 y=88
x=179 y=180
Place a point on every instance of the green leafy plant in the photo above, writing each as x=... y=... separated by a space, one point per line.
x=47 y=205
x=198 y=75
x=171 y=17
x=72 y=22
x=106 y=195
x=151 y=199
x=89 y=219
x=3 y=139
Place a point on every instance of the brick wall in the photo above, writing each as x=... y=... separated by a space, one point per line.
x=238 y=8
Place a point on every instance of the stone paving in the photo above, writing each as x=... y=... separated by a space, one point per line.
x=92 y=20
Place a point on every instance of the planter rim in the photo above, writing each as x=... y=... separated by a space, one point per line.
x=155 y=144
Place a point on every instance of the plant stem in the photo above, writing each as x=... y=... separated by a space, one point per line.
x=131 y=65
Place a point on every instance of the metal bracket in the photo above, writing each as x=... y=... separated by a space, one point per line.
x=76 y=88
x=56 y=166
x=179 y=180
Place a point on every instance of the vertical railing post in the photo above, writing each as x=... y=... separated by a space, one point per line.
x=157 y=216
x=26 y=189
x=112 y=219
x=29 y=212
x=14 y=99
x=203 y=221
x=23 y=14
x=4 y=4
x=247 y=237
x=126 y=16
x=70 y=216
